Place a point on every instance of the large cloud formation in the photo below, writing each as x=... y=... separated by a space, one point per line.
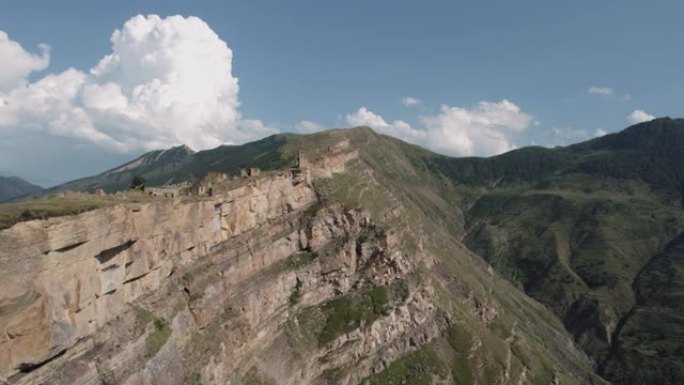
x=167 y=81
x=17 y=64
x=485 y=129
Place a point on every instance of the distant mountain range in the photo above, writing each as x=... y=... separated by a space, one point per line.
x=181 y=163
x=156 y=167
x=14 y=187
x=648 y=151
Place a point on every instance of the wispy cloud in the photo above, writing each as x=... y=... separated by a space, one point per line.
x=306 y=126
x=568 y=135
x=608 y=92
x=411 y=101
x=595 y=90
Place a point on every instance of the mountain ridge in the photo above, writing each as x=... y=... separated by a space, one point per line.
x=186 y=164
x=585 y=229
x=119 y=177
x=344 y=277
x=13 y=187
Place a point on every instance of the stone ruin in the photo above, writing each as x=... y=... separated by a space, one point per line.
x=206 y=185
x=302 y=161
x=300 y=172
x=170 y=191
x=252 y=171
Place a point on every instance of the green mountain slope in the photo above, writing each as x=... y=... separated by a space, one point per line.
x=648 y=343
x=505 y=338
x=578 y=227
x=15 y=187
x=575 y=228
x=649 y=153
x=156 y=167
x=181 y=164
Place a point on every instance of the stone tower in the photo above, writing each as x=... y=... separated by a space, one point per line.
x=302 y=162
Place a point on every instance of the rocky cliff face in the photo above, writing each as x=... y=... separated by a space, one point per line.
x=65 y=279
x=277 y=281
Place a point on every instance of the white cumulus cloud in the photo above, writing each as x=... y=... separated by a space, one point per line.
x=595 y=90
x=398 y=128
x=639 y=116
x=482 y=130
x=365 y=117
x=411 y=101
x=485 y=129
x=17 y=63
x=166 y=81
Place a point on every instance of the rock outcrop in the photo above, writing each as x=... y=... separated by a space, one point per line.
x=63 y=279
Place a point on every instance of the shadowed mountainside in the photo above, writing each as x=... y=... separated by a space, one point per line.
x=15 y=187
x=579 y=228
x=181 y=163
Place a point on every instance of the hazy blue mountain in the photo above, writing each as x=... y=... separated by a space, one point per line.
x=15 y=187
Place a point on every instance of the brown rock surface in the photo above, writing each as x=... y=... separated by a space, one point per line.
x=65 y=278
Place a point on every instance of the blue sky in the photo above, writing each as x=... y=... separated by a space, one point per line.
x=321 y=61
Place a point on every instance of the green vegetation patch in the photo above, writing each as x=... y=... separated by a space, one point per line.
x=158 y=337
x=142 y=318
x=399 y=290
x=264 y=154
x=332 y=376
x=300 y=259
x=417 y=368
x=352 y=311
x=193 y=378
x=379 y=298
x=296 y=294
x=461 y=342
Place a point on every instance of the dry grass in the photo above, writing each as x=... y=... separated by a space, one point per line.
x=71 y=204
